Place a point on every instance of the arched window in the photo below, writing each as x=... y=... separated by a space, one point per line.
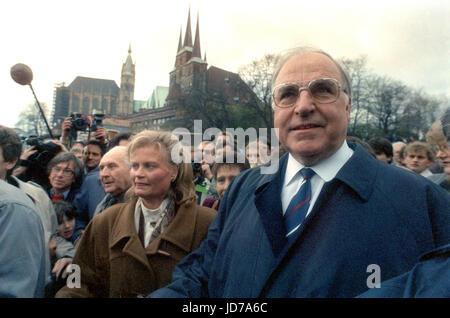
x=113 y=107
x=75 y=104
x=85 y=110
x=95 y=104
x=104 y=105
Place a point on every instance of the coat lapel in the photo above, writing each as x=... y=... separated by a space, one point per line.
x=180 y=231
x=124 y=234
x=268 y=204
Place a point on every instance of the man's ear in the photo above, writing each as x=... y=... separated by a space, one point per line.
x=348 y=107
x=10 y=164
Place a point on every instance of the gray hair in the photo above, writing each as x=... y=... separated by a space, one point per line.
x=67 y=157
x=346 y=85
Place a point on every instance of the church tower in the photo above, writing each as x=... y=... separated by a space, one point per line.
x=127 y=80
x=190 y=69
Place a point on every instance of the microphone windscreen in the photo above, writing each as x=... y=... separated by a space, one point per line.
x=22 y=74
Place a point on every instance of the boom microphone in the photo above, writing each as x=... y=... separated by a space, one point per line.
x=23 y=75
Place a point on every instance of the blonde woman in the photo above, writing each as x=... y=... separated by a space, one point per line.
x=131 y=248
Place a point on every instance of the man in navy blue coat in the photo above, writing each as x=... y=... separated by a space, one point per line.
x=366 y=222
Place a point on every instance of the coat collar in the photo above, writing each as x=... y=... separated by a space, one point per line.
x=124 y=229
x=359 y=173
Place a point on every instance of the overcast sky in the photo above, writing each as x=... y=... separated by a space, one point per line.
x=406 y=40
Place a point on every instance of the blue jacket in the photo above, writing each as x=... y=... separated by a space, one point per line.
x=86 y=200
x=22 y=246
x=370 y=213
x=430 y=278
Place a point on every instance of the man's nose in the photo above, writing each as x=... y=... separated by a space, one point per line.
x=304 y=103
x=441 y=154
x=103 y=174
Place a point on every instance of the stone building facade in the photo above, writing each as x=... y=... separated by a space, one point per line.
x=190 y=72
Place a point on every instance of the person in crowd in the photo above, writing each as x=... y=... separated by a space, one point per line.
x=115 y=180
x=439 y=136
x=100 y=134
x=23 y=269
x=229 y=147
x=10 y=151
x=429 y=278
x=114 y=176
x=61 y=243
x=91 y=191
x=65 y=172
x=80 y=144
x=419 y=156
x=32 y=165
x=382 y=148
x=223 y=140
x=258 y=152
x=398 y=148
x=93 y=155
x=364 y=144
x=78 y=149
x=131 y=248
x=202 y=161
x=121 y=139
x=79 y=153
x=313 y=228
x=206 y=150
x=224 y=173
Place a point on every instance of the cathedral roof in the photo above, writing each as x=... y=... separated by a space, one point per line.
x=158 y=97
x=219 y=79
x=95 y=85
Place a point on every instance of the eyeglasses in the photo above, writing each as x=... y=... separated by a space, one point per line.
x=322 y=90
x=66 y=172
x=442 y=147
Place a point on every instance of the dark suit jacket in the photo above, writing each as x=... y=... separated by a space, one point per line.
x=370 y=213
x=86 y=200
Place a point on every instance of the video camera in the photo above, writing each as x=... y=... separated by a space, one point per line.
x=44 y=151
x=82 y=123
x=97 y=120
x=196 y=167
x=37 y=162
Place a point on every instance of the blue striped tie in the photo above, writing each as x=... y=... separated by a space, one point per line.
x=296 y=211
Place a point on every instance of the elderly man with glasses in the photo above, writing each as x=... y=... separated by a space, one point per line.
x=331 y=222
x=65 y=172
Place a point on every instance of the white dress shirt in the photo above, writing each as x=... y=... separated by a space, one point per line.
x=152 y=218
x=325 y=171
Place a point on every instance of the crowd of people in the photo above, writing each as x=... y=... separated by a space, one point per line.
x=138 y=223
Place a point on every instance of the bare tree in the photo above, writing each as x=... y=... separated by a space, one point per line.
x=258 y=76
x=359 y=75
x=387 y=103
x=31 y=121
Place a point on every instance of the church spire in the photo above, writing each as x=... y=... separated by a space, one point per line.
x=180 y=45
x=188 y=35
x=196 y=50
x=128 y=67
